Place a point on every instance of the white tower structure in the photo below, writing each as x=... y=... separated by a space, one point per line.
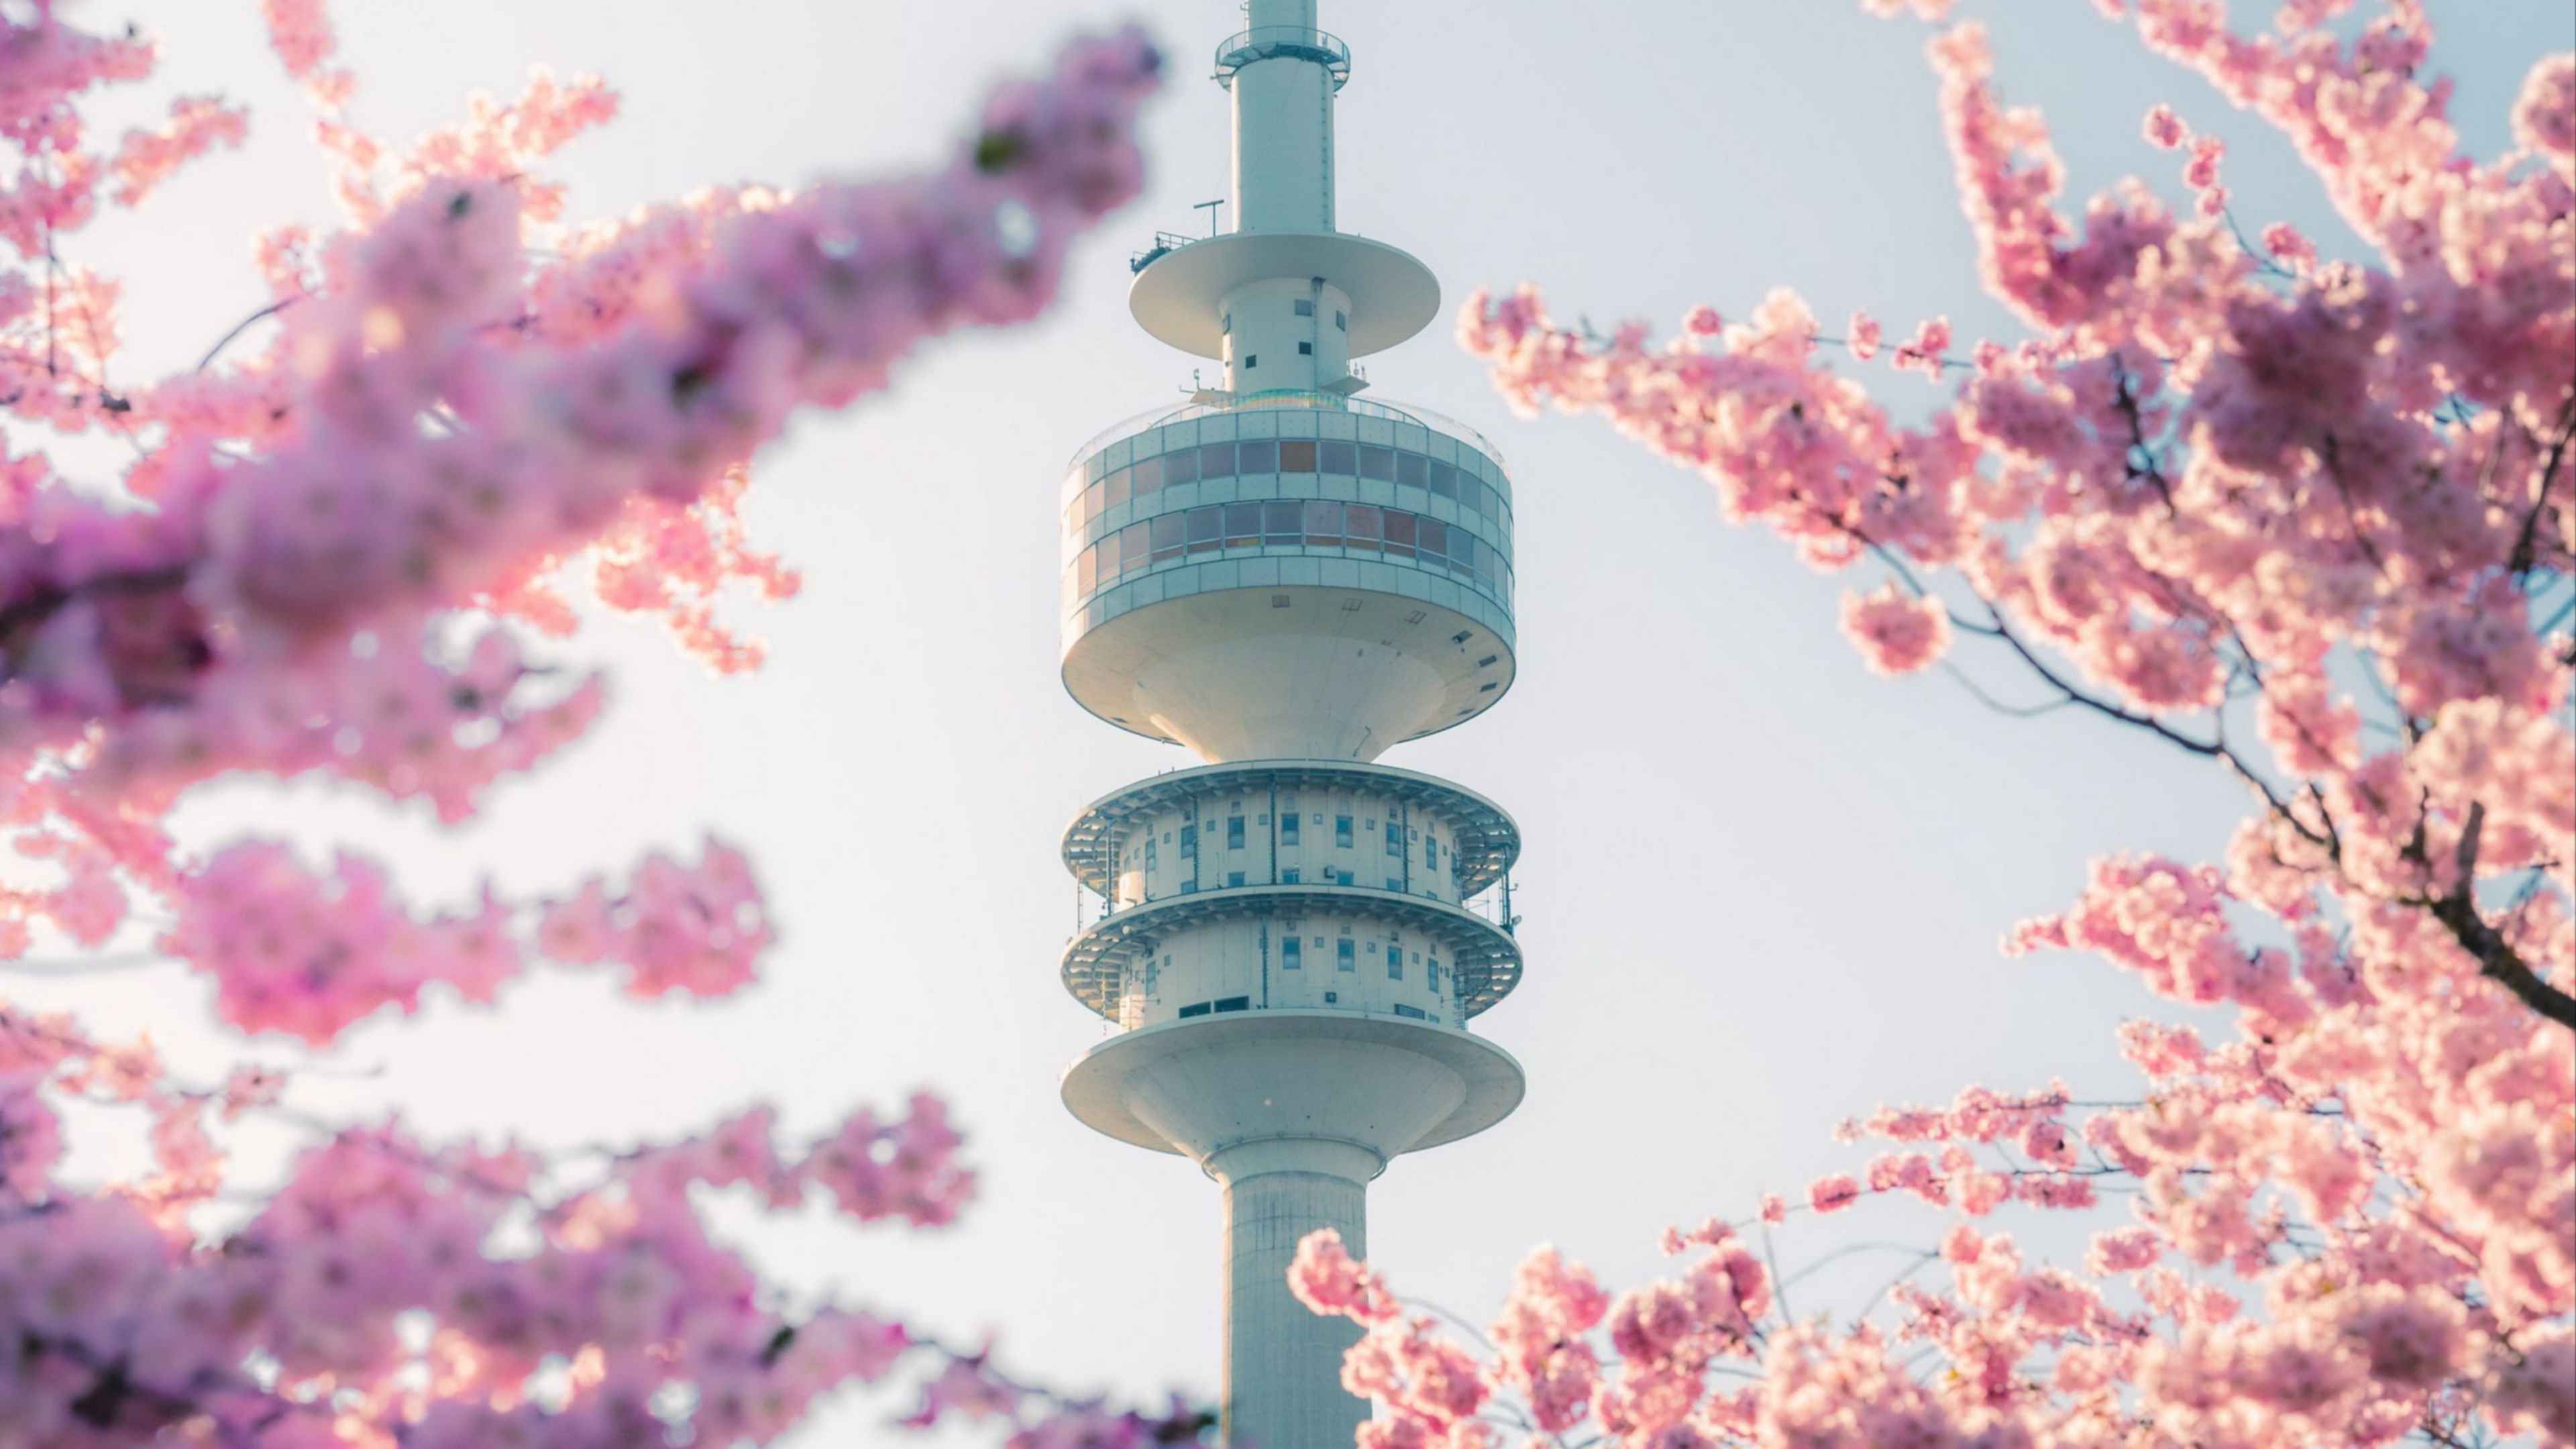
x=1288 y=580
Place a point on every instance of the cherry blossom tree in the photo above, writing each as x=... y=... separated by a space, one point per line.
x=2309 y=520
x=340 y=546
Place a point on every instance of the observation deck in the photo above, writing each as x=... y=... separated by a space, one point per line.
x=1282 y=42
x=1311 y=521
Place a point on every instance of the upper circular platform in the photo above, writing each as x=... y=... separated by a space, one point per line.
x=1179 y=296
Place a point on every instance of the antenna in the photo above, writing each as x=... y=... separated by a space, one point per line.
x=1211 y=208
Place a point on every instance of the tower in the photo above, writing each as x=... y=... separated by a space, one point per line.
x=1288 y=579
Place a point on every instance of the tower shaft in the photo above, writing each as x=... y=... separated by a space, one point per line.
x=1283 y=122
x=1283 y=1361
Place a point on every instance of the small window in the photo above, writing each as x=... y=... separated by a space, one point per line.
x=1444 y=480
x=1251 y=360
x=1341 y=320
x=1305 y=349
x=1234 y=1003
x=1196 y=1009
x=1345 y=877
x=1415 y=1012
x=1207 y=528
x=1216 y=460
x=1394 y=884
x=1234 y=877
x=1150 y=862
x=1257 y=457
x=1432 y=974
x=1289 y=877
x=1287 y=829
x=1431 y=852
x=1342 y=831
x=1180 y=467
x=1378 y=463
x=1324 y=528
x=1189 y=842
x=1412 y=468
x=1395 y=965
x=1114 y=488
x=1296 y=456
x=1304 y=308
x=1346 y=956
x=1333 y=457
x=1243 y=525
x=1281 y=524
x=1394 y=839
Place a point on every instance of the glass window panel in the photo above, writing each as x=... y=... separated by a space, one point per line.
x=1115 y=489
x=1296 y=456
x=1283 y=523
x=1242 y=525
x=1444 y=480
x=1216 y=460
x=1434 y=539
x=1257 y=457
x=1181 y=467
x=1489 y=565
x=1072 y=585
x=1132 y=548
x=1149 y=476
x=1167 y=537
x=1488 y=502
x=1361 y=525
x=1204 y=528
x=1108 y=559
x=1410 y=468
x=1399 y=533
x=1333 y=457
x=1378 y=463
x=1090 y=568
x=1462 y=551
x=1091 y=503
x=1323 y=521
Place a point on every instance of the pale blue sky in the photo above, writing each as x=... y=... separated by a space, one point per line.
x=1763 y=888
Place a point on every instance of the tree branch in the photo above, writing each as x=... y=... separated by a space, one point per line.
x=2497 y=960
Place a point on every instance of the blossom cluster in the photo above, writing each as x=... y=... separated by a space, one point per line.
x=2329 y=503
x=439 y=422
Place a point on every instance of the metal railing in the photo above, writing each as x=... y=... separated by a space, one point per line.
x=1276 y=42
x=1290 y=399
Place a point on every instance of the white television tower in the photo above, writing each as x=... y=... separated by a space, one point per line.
x=1288 y=580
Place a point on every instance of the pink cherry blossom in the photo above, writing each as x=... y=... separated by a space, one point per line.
x=352 y=544
x=2307 y=520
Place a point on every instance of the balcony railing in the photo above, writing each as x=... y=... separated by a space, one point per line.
x=1278 y=42
x=1289 y=399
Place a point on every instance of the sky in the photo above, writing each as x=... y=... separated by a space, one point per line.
x=1762 y=888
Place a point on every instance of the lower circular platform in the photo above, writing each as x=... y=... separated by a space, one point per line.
x=1197 y=1087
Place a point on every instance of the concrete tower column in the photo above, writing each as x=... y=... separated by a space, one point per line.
x=1283 y=127
x=1282 y=1360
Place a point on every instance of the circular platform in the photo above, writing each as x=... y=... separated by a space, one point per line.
x=1288 y=670
x=1179 y=296
x=1484 y=959
x=1485 y=838
x=1388 y=1085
